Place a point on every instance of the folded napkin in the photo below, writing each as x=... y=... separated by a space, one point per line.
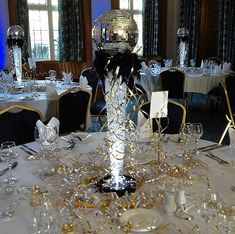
x=67 y=77
x=144 y=127
x=83 y=82
x=32 y=63
x=227 y=67
x=218 y=69
x=146 y=68
x=51 y=92
x=168 y=63
x=43 y=129
x=203 y=64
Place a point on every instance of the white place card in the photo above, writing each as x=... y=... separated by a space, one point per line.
x=158 y=107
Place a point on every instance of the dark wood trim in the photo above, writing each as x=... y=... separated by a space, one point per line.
x=87 y=33
x=163 y=27
x=12 y=7
x=114 y=4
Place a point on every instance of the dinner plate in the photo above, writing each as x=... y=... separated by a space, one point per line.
x=141 y=219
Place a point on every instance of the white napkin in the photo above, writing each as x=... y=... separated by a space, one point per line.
x=32 y=63
x=146 y=69
x=203 y=64
x=158 y=107
x=67 y=77
x=168 y=63
x=51 y=92
x=144 y=127
x=83 y=82
x=227 y=67
x=54 y=122
x=218 y=69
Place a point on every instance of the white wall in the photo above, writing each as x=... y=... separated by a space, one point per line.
x=173 y=18
x=4 y=24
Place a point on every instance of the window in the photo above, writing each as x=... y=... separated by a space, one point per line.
x=134 y=7
x=43 y=28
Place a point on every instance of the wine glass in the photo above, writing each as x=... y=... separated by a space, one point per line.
x=185 y=135
x=197 y=132
x=8 y=153
x=192 y=63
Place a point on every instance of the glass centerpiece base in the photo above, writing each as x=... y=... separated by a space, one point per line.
x=128 y=184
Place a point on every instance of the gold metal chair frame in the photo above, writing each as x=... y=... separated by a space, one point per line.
x=75 y=90
x=230 y=118
x=10 y=108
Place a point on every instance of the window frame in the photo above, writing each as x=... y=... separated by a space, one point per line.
x=49 y=8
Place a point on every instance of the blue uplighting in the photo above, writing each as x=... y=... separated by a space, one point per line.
x=3 y=31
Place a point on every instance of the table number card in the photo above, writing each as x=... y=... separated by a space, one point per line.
x=158 y=107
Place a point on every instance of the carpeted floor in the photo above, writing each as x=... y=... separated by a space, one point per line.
x=212 y=119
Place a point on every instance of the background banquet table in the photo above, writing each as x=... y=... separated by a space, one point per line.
x=221 y=179
x=42 y=100
x=196 y=82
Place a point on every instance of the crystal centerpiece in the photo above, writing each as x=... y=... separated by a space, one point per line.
x=115 y=34
x=15 y=39
x=183 y=35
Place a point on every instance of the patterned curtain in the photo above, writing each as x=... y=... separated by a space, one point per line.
x=226 y=45
x=23 y=16
x=71 y=21
x=190 y=18
x=151 y=36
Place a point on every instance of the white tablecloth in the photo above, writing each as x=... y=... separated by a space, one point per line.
x=221 y=179
x=194 y=82
x=47 y=106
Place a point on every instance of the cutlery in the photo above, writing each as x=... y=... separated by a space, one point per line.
x=66 y=140
x=30 y=148
x=12 y=166
x=26 y=151
x=212 y=147
x=207 y=146
x=75 y=135
x=219 y=160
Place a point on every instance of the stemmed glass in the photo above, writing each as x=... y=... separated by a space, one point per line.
x=197 y=132
x=8 y=153
x=186 y=135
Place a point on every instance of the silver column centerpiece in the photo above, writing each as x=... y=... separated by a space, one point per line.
x=115 y=34
x=183 y=35
x=15 y=40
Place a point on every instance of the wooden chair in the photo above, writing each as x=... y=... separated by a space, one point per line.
x=176 y=116
x=228 y=85
x=74 y=67
x=17 y=124
x=73 y=108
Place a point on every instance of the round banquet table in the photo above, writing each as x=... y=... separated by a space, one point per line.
x=42 y=100
x=221 y=179
x=195 y=82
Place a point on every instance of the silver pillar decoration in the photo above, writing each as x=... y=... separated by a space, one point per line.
x=15 y=39
x=116 y=32
x=183 y=35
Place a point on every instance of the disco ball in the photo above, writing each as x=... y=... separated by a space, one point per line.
x=115 y=31
x=15 y=32
x=182 y=32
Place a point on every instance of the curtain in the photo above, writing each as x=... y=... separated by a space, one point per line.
x=151 y=35
x=226 y=46
x=23 y=16
x=190 y=18
x=71 y=29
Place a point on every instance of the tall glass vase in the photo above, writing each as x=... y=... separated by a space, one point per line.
x=116 y=92
x=17 y=61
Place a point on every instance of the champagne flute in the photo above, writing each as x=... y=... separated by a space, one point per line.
x=197 y=132
x=185 y=135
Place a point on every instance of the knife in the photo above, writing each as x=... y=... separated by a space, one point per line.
x=12 y=166
x=207 y=146
x=29 y=148
x=218 y=158
x=26 y=151
x=212 y=147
